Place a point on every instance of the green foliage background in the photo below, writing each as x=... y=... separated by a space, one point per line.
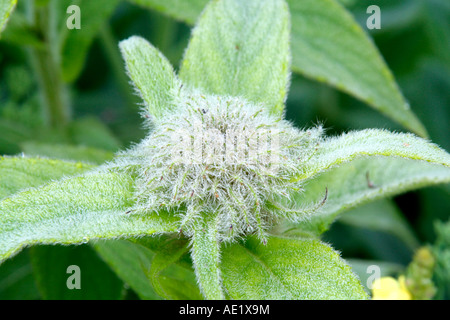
x=414 y=41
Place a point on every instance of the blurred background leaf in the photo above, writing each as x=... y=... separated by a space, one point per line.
x=6 y=7
x=96 y=282
x=16 y=279
x=441 y=251
x=75 y=44
x=382 y=216
x=154 y=267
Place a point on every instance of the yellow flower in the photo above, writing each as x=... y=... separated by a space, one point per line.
x=388 y=288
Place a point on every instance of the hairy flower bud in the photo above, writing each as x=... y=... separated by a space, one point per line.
x=223 y=156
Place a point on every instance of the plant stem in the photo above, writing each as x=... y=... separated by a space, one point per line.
x=45 y=61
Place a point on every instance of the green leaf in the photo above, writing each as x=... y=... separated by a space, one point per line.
x=163 y=273
x=16 y=279
x=152 y=75
x=364 y=166
x=382 y=216
x=179 y=9
x=129 y=261
x=348 y=186
x=75 y=210
x=441 y=251
x=20 y=173
x=66 y=152
x=148 y=266
x=287 y=269
x=6 y=8
x=12 y=134
x=241 y=48
x=206 y=258
x=92 y=132
x=76 y=42
x=437 y=25
x=337 y=150
x=96 y=280
x=328 y=45
x=20 y=32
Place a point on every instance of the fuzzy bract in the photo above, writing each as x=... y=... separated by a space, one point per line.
x=222 y=156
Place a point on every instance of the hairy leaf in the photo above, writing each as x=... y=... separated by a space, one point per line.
x=75 y=210
x=66 y=152
x=329 y=46
x=363 y=166
x=76 y=42
x=152 y=75
x=206 y=258
x=20 y=173
x=287 y=269
x=6 y=8
x=241 y=48
x=335 y=151
x=349 y=187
